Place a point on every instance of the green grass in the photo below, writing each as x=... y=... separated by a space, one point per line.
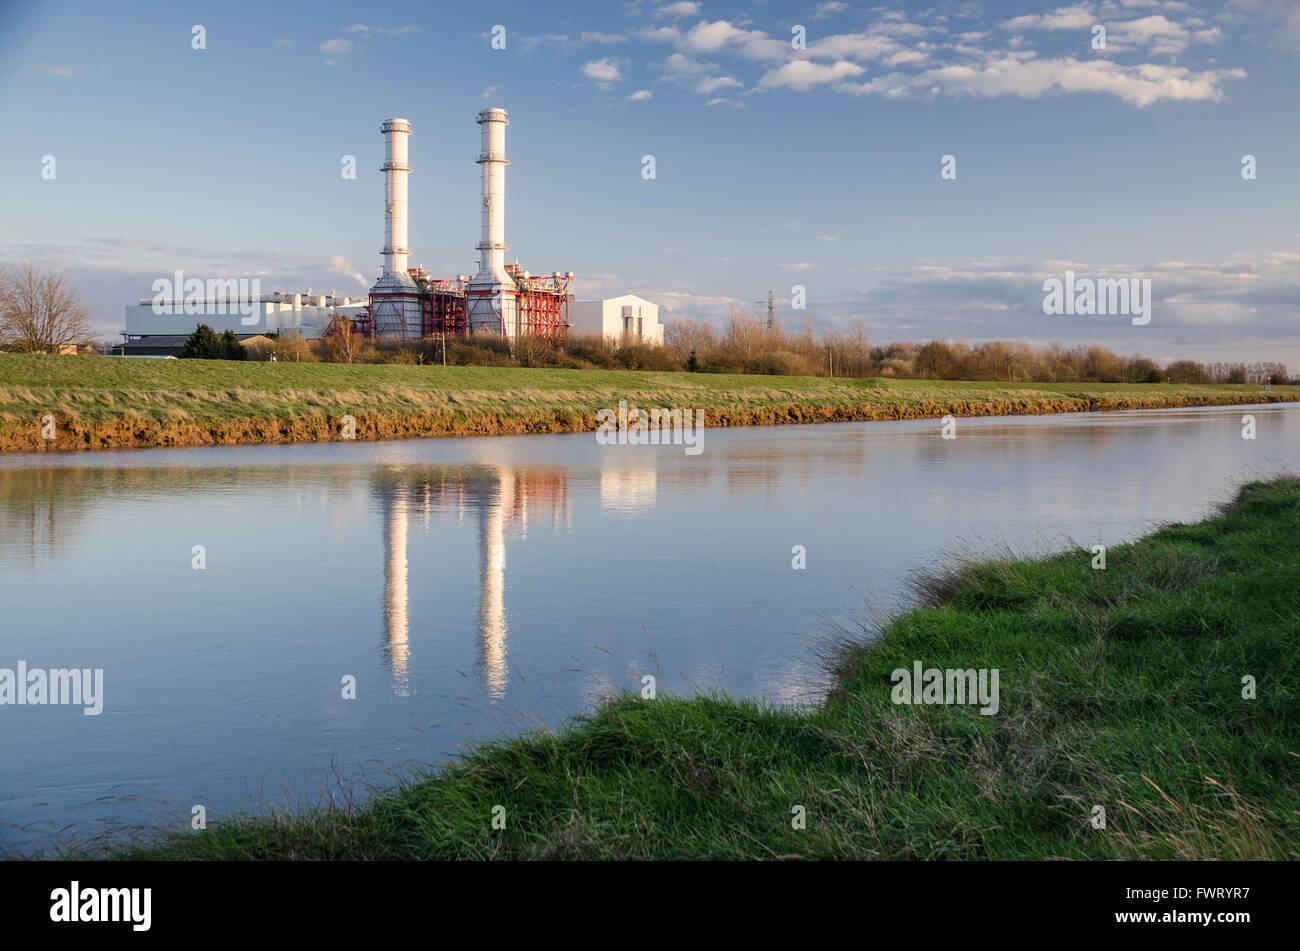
x=1119 y=687
x=103 y=402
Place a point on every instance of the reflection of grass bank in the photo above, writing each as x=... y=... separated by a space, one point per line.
x=104 y=402
x=1119 y=687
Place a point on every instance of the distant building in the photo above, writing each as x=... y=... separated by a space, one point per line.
x=274 y=313
x=617 y=318
x=164 y=345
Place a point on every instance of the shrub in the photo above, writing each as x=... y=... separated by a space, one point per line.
x=785 y=363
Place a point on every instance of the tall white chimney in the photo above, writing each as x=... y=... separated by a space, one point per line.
x=491 y=299
x=492 y=242
x=395 y=171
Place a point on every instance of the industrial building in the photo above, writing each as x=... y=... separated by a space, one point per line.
x=152 y=324
x=618 y=319
x=501 y=299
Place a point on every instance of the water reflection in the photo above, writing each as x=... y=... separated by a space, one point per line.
x=396 y=619
x=628 y=490
x=501 y=501
x=390 y=560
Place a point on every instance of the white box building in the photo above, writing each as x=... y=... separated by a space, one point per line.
x=618 y=318
x=273 y=313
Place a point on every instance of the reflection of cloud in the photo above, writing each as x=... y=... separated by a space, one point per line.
x=628 y=490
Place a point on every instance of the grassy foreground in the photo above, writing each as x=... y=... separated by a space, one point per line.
x=1119 y=687
x=107 y=402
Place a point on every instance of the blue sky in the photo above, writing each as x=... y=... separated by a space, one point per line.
x=775 y=166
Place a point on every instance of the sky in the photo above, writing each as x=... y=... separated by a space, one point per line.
x=794 y=145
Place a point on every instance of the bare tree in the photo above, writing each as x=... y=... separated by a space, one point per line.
x=292 y=347
x=343 y=343
x=39 y=312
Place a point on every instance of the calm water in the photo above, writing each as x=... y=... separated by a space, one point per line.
x=478 y=587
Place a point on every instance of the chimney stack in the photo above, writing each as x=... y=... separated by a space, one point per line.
x=492 y=298
x=395 y=171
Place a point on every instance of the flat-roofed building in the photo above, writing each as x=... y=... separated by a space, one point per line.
x=617 y=318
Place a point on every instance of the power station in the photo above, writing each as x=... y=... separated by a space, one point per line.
x=501 y=299
x=407 y=302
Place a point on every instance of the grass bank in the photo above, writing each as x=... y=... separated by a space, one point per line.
x=1119 y=688
x=107 y=402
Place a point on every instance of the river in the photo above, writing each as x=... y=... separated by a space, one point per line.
x=476 y=588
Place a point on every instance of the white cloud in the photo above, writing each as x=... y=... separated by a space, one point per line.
x=1235 y=309
x=714 y=83
x=691 y=74
x=336 y=47
x=675 y=10
x=1063 y=18
x=530 y=43
x=707 y=37
x=829 y=9
x=367 y=31
x=604 y=71
x=1160 y=36
x=803 y=75
x=1155 y=33
x=863 y=46
x=641 y=94
x=1020 y=74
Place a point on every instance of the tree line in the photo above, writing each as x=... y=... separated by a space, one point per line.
x=747 y=345
x=40 y=313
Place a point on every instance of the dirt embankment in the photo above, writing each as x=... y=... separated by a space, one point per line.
x=133 y=431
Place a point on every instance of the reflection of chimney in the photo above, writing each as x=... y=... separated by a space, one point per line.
x=492 y=580
x=396 y=621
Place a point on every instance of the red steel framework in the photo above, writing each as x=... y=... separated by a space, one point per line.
x=543 y=307
x=543 y=304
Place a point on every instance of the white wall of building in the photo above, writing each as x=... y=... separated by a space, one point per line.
x=308 y=313
x=616 y=316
